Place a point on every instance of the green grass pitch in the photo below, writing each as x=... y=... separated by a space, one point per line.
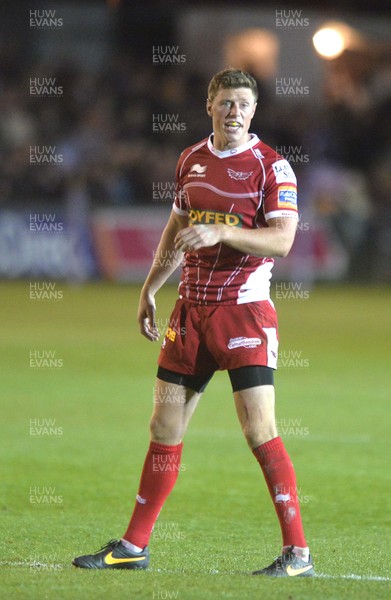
x=68 y=493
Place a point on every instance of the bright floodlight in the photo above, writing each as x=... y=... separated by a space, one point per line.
x=329 y=42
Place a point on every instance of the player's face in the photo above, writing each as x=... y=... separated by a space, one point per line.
x=231 y=110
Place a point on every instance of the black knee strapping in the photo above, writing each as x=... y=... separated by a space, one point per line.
x=197 y=383
x=252 y=376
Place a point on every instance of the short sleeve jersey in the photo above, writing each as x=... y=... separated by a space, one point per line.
x=242 y=187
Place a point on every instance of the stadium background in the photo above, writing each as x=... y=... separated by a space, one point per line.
x=96 y=108
x=97 y=100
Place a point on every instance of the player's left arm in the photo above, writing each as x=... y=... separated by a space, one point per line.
x=272 y=241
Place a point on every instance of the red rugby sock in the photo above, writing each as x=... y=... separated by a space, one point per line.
x=281 y=481
x=160 y=472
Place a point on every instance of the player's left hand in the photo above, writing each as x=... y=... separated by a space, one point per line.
x=195 y=237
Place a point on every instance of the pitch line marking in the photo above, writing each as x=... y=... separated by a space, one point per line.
x=37 y=565
x=353 y=576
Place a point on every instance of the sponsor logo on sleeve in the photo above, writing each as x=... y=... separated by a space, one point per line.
x=283 y=171
x=287 y=197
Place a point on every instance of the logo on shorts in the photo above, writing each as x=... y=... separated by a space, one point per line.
x=171 y=334
x=243 y=342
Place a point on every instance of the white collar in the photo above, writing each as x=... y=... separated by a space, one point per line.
x=254 y=139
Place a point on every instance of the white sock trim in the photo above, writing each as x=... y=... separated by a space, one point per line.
x=303 y=553
x=131 y=547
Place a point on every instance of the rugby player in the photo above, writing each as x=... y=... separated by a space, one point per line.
x=235 y=210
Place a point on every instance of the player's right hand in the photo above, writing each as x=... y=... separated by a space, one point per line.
x=146 y=318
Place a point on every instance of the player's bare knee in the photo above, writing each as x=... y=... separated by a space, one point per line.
x=251 y=437
x=255 y=436
x=158 y=428
x=164 y=430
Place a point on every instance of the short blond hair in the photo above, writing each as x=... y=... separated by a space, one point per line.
x=231 y=78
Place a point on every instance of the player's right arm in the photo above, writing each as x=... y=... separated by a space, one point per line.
x=165 y=262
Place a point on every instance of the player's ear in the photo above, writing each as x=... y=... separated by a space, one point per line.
x=209 y=107
x=254 y=109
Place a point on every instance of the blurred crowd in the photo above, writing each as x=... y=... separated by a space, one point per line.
x=107 y=131
x=114 y=136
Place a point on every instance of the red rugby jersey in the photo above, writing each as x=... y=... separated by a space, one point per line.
x=241 y=187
